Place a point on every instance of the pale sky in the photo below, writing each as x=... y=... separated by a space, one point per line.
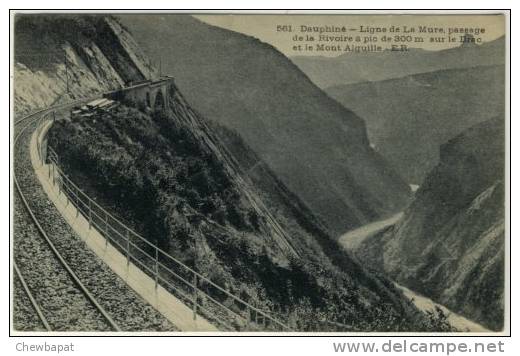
x=264 y=27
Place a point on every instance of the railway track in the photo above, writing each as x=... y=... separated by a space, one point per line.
x=65 y=288
x=76 y=290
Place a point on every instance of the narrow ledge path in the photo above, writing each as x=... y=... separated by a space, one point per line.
x=169 y=306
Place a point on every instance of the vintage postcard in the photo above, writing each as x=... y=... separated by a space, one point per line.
x=260 y=172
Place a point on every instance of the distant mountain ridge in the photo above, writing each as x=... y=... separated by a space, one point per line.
x=408 y=118
x=352 y=68
x=315 y=146
x=450 y=243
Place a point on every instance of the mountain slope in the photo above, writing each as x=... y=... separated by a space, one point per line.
x=409 y=118
x=168 y=175
x=450 y=243
x=351 y=68
x=172 y=179
x=90 y=53
x=316 y=147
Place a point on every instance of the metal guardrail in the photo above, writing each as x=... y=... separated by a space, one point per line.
x=64 y=264
x=204 y=296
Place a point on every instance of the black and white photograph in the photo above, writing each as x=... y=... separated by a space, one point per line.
x=228 y=173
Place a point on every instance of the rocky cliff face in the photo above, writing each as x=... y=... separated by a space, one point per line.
x=450 y=243
x=408 y=118
x=174 y=181
x=315 y=146
x=91 y=53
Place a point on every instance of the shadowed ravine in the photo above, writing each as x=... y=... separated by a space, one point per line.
x=352 y=239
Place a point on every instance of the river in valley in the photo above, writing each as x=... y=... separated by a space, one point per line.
x=352 y=239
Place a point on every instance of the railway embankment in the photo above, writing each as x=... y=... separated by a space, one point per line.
x=59 y=298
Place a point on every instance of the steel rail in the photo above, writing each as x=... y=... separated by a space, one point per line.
x=73 y=191
x=33 y=301
x=42 y=232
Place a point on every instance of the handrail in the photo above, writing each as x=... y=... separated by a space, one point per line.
x=202 y=277
x=51 y=245
x=78 y=197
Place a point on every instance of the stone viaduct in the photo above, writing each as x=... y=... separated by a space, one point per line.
x=152 y=94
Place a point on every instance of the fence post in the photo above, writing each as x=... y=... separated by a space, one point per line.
x=106 y=229
x=89 y=213
x=195 y=294
x=127 y=235
x=248 y=317
x=156 y=267
x=78 y=201
x=65 y=189
x=40 y=155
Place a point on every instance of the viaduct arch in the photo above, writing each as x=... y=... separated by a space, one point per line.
x=152 y=94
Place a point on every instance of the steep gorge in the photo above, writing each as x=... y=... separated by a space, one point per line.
x=408 y=118
x=450 y=243
x=175 y=183
x=316 y=147
x=172 y=179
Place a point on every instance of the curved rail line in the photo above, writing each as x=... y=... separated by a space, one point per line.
x=33 y=301
x=251 y=310
x=36 y=116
